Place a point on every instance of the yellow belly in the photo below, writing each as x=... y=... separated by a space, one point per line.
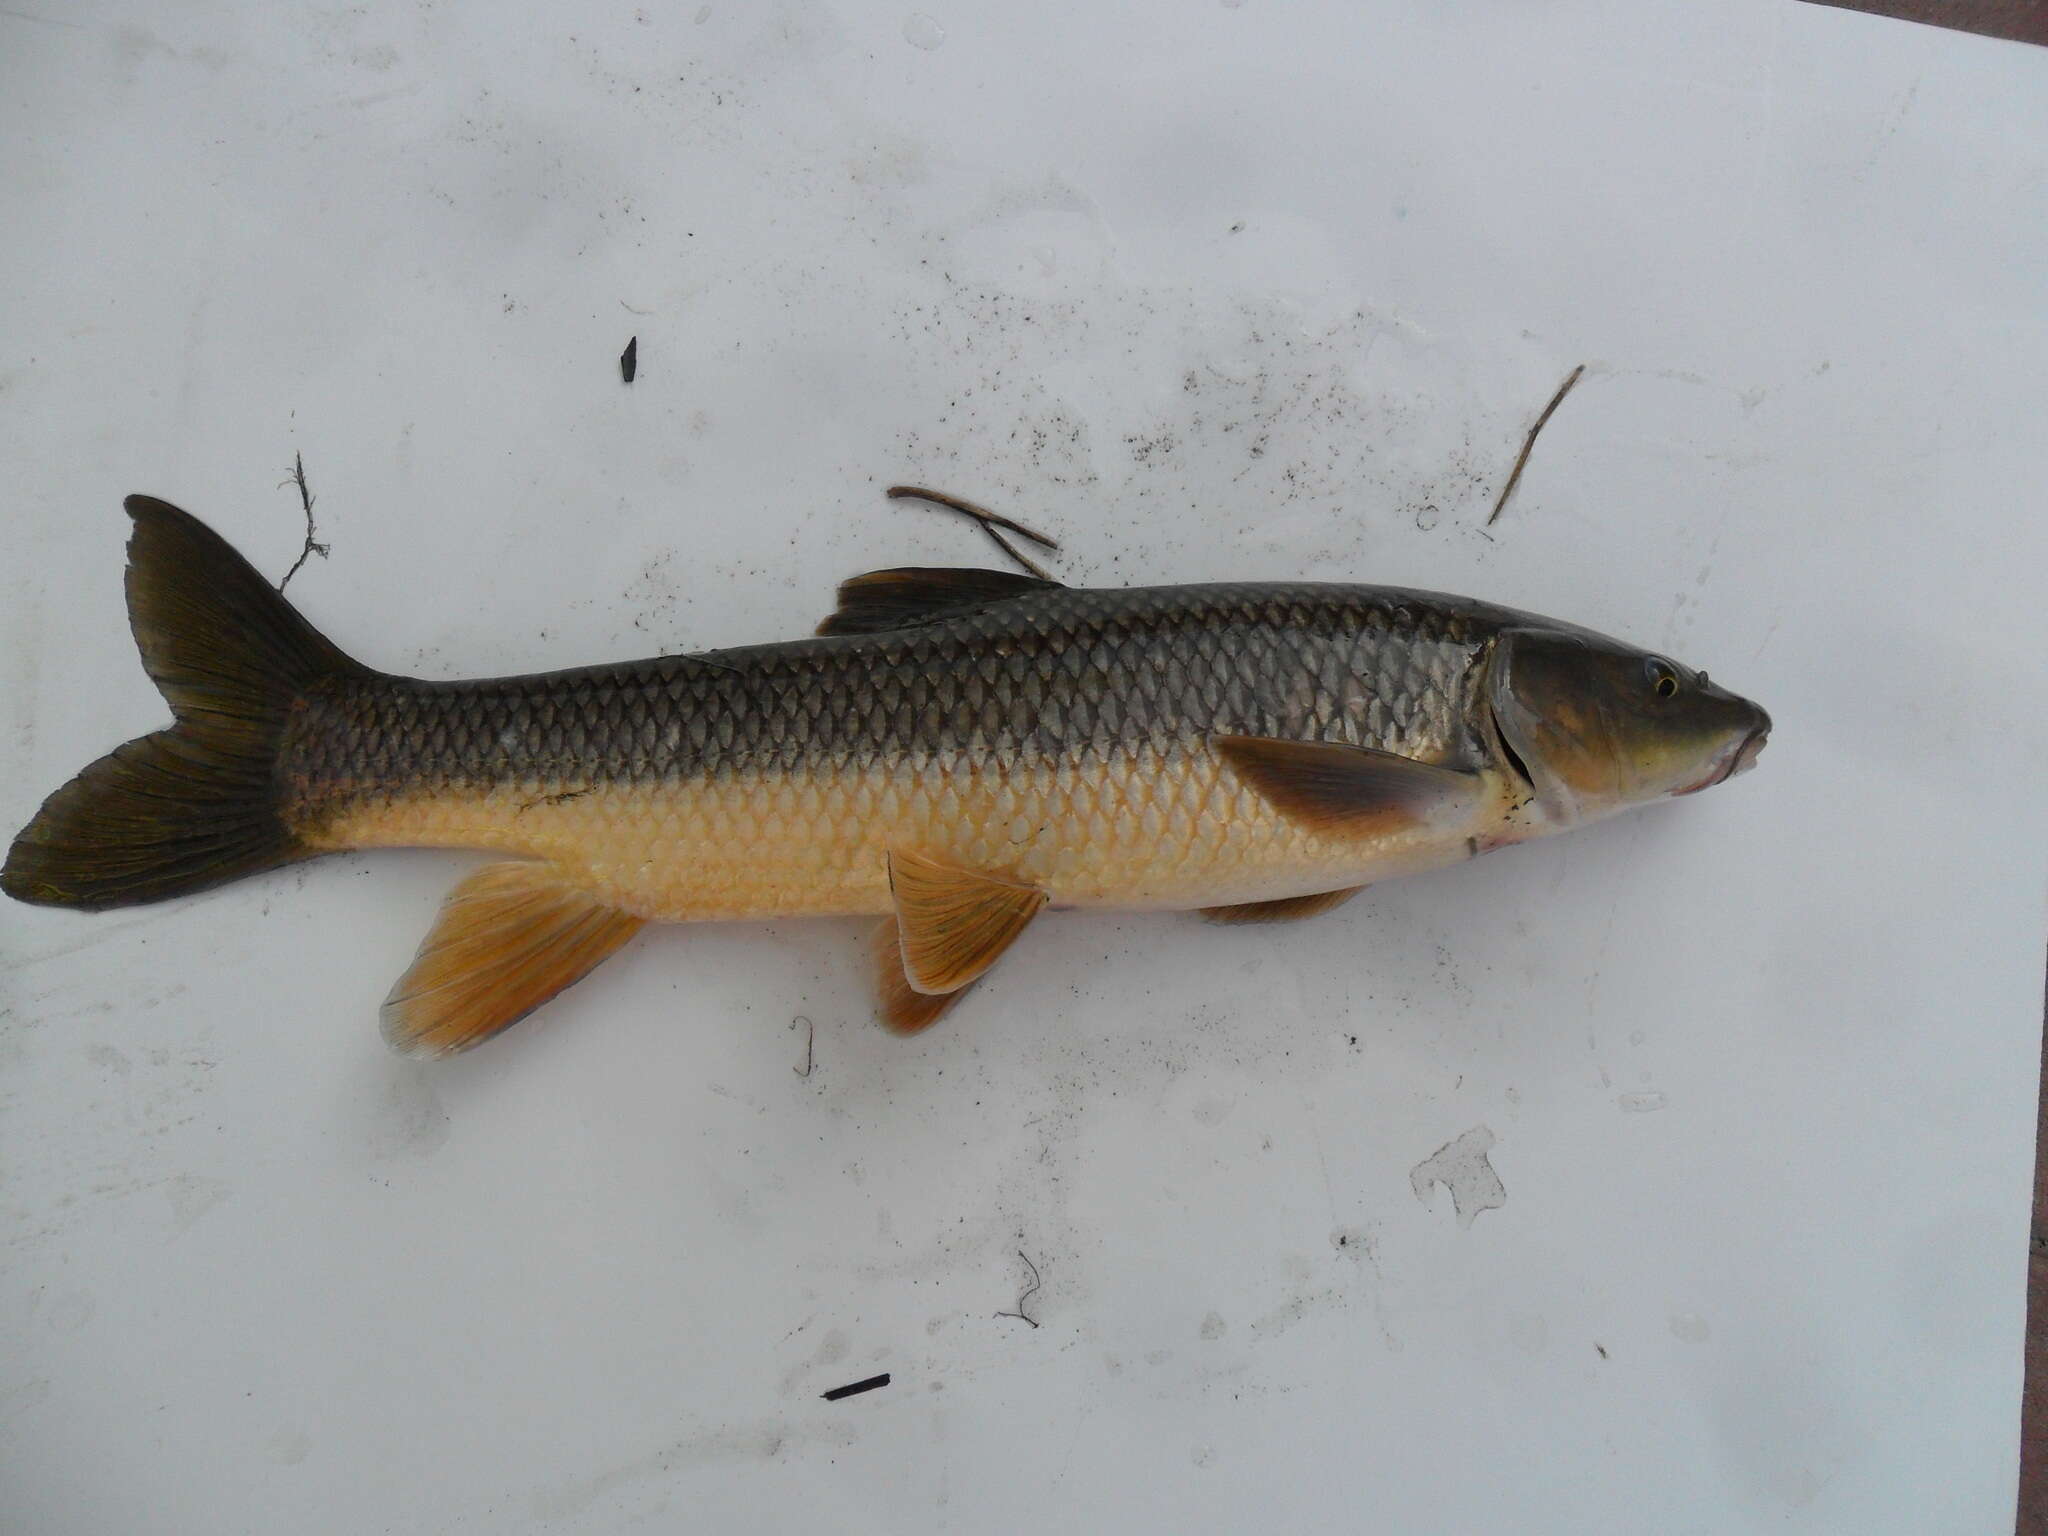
x=1151 y=830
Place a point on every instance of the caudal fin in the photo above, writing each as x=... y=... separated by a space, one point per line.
x=195 y=805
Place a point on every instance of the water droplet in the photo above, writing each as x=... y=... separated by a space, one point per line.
x=923 y=32
x=1642 y=1103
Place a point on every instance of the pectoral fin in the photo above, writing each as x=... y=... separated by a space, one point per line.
x=1329 y=787
x=953 y=924
x=1285 y=910
x=508 y=938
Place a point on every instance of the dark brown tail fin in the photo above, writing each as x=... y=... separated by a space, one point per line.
x=195 y=805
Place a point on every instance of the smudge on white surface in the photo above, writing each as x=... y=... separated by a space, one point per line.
x=72 y=1311
x=767 y=1440
x=1461 y=1167
x=1298 y=1310
x=1691 y=1327
x=192 y=1196
x=830 y=1351
x=1643 y=1103
x=408 y=1119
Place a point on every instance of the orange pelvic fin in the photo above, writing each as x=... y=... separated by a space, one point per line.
x=954 y=924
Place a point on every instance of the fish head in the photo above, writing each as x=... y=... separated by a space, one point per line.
x=1596 y=726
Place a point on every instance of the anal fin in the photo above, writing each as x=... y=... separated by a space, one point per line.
x=1286 y=910
x=507 y=939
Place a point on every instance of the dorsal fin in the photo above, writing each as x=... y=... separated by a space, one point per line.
x=912 y=595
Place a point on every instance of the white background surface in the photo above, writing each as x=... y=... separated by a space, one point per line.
x=1209 y=291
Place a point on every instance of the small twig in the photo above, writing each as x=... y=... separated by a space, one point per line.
x=561 y=798
x=854 y=1388
x=810 y=1045
x=988 y=521
x=1030 y=1291
x=1515 y=474
x=298 y=478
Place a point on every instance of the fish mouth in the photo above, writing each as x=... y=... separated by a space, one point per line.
x=1741 y=760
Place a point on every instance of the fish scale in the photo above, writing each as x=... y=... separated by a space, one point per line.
x=774 y=779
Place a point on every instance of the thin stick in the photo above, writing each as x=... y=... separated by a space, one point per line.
x=1030 y=1291
x=854 y=1389
x=989 y=522
x=298 y=478
x=1515 y=474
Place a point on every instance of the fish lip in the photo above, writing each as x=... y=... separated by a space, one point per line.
x=1741 y=760
x=1747 y=754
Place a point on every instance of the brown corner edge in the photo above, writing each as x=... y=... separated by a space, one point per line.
x=2033 y=1506
x=2015 y=21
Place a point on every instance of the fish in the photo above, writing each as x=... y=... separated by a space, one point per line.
x=953 y=752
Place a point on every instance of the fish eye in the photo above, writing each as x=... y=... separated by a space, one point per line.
x=1663 y=677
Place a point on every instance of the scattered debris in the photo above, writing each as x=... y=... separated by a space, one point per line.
x=1030 y=1291
x=810 y=1045
x=854 y=1389
x=989 y=521
x=298 y=478
x=1521 y=459
x=629 y=360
